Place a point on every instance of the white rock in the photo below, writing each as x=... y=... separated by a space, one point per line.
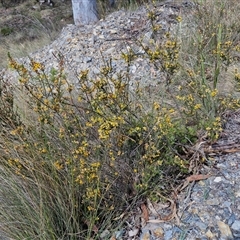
x=217 y=179
x=237 y=194
x=133 y=232
x=104 y=234
x=113 y=31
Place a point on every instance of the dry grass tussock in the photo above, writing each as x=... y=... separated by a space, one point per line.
x=24 y=29
x=95 y=153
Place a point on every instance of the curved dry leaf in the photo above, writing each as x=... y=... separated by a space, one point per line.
x=145 y=212
x=170 y=216
x=173 y=214
x=197 y=177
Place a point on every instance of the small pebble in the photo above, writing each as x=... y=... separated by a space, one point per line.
x=224 y=229
x=217 y=179
x=236 y=225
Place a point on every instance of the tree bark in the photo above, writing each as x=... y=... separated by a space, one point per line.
x=84 y=11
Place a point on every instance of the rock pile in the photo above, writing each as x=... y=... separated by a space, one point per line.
x=93 y=46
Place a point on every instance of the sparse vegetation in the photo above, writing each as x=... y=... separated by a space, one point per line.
x=88 y=154
x=10 y=3
x=6 y=31
x=25 y=27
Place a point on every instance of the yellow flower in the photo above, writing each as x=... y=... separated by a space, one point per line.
x=218 y=120
x=44 y=150
x=197 y=106
x=90 y=208
x=190 y=73
x=156 y=106
x=70 y=88
x=58 y=165
x=228 y=43
x=179 y=18
x=96 y=164
x=23 y=80
x=36 y=66
x=18 y=130
x=83 y=74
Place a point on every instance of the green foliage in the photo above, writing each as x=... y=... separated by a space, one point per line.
x=6 y=31
x=104 y=7
x=10 y=3
x=207 y=55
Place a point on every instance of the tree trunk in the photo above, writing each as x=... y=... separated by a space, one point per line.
x=84 y=11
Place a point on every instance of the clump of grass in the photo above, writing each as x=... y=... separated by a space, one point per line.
x=33 y=29
x=6 y=31
x=207 y=53
x=93 y=151
x=10 y=3
x=96 y=149
x=105 y=6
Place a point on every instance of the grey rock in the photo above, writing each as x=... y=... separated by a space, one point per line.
x=87 y=59
x=231 y=219
x=236 y=225
x=202 y=226
x=168 y=235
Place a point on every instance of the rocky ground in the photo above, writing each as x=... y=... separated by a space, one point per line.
x=208 y=208
x=92 y=46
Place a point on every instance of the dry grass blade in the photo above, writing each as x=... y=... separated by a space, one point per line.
x=197 y=177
